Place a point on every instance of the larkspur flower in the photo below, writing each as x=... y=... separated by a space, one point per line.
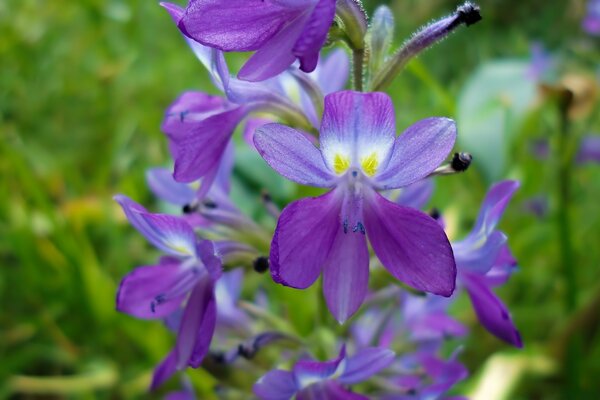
x=483 y=261
x=359 y=154
x=187 y=275
x=280 y=31
x=324 y=380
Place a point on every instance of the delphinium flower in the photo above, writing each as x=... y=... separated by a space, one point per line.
x=187 y=274
x=591 y=22
x=324 y=380
x=359 y=154
x=280 y=31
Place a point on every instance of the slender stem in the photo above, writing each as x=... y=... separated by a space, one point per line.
x=569 y=265
x=358 y=56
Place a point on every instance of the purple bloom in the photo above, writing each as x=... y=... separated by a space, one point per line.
x=589 y=150
x=280 y=31
x=484 y=251
x=324 y=380
x=359 y=154
x=187 y=275
x=591 y=22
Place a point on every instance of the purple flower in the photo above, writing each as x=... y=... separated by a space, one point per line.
x=187 y=274
x=484 y=251
x=589 y=150
x=324 y=380
x=359 y=154
x=591 y=22
x=280 y=31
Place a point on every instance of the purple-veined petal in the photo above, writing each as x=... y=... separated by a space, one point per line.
x=410 y=245
x=365 y=363
x=162 y=184
x=490 y=310
x=197 y=325
x=289 y=153
x=444 y=373
x=357 y=127
x=436 y=326
x=589 y=150
x=313 y=35
x=235 y=25
x=275 y=56
x=328 y=390
x=493 y=207
x=207 y=252
x=250 y=128
x=417 y=152
x=303 y=238
x=503 y=268
x=275 y=385
x=346 y=274
x=164 y=371
x=478 y=254
x=156 y=291
x=416 y=195
x=309 y=372
x=168 y=233
x=332 y=73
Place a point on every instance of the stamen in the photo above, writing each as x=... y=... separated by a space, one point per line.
x=359 y=227
x=370 y=164
x=346 y=225
x=261 y=264
x=340 y=163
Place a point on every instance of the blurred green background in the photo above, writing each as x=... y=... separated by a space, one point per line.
x=83 y=88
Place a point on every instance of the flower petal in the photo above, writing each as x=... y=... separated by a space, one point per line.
x=416 y=195
x=235 y=25
x=275 y=385
x=479 y=254
x=329 y=390
x=155 y=291
x=313 y=36
x=493 y=207
x=163 y=371
x=346 y=274
x=490 y=310
x=303 y=237
x=197 y=325
x=168 y=233
x=357 y=126
x=589 y=150
x=418 y=151
x=332 y=73
x=309 y=372
x=366 y=363
x=162 y=184
x=411 y=245
x=291 y=154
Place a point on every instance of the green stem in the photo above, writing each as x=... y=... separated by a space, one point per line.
x=358 y=56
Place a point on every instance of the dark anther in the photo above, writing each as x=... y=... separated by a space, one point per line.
x=188 y=208
x=359 y=227
x=158 y=300
x=209 y=204
x=266 y=197
x=345 y=226
x=354 y=174
x=461 y=161
x=468 y=13
x=261 y=264
x=246 y=352
x=218 y=357
x=182 y=115
x=435 y=213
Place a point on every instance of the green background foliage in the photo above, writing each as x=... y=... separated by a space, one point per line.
x=83 y=88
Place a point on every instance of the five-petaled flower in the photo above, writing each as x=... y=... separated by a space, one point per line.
x=359 y=155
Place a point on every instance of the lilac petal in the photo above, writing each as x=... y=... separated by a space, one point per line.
x=309 y=372
x=416 y=195
x=289 y=153
x=329 y=390
x=503 y=268
x=411 y=245
x=250 y=128
x=314 y=34
x=418 y=151
x=275 y=385
x=168 y=233
x=445 y=374
x=589 y=150
x=199 y=127
x=303 y=237
x=235 y=25
x=490 y=310
x=493 y=206
x=436 y=325
x=346 y=274
x=197 y=325
x=357 y=125
x=208 y=254
x=332 y=74
x=366 y=363
x=164 y=371
x=155 y=291
x=162 y=184
x=478 y=254
x=276 y=55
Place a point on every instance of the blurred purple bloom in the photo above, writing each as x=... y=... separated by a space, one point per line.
x=324 y=380
x=280 y=31
x=359 y=155
x=591 y=22
x=541 y=63
x=589 y=150
x=478 y=254
x=187 y=275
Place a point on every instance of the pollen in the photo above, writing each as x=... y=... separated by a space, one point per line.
x=340 y=163
x=369 y=164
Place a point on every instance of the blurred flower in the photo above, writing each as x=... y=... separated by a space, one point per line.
x=278 y=30
x=591 y=22
x=359 y=154
x=324 y=380
x=187 y=274
x=589 y=150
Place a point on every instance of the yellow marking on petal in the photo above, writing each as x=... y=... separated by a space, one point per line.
x=180 y=248
x=369 y=164
x=340 y=163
